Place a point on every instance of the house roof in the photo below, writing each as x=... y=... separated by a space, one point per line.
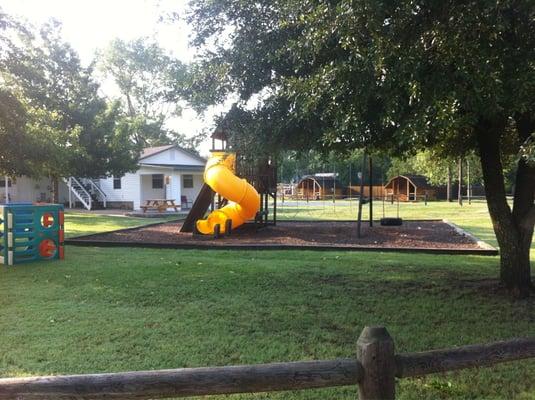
x=151 y=151
x=178 y=167
x=419 y=181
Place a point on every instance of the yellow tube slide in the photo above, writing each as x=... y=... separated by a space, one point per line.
x=244 y=201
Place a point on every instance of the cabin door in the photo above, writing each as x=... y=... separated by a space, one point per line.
x=412 y=192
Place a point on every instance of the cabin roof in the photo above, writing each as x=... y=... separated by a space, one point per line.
x=420 y=181
x=326 y=182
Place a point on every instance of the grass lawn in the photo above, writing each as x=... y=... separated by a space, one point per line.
x=104 y=310
x=77 y=223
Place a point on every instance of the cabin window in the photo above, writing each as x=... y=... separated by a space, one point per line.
x=187 y=181
x=157 y=181
x=117 y=182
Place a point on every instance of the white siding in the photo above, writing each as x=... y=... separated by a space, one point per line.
x=130 y=189
x=147 y=192
x=191 y=193
x=63 y=192
x=25 y=189
x=173 y=157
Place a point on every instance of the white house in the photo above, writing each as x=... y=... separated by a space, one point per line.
x=165 y=172
x=25 y=189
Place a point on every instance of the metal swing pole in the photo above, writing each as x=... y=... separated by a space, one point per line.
x=468 y=183
x=398 y=203
x=334 y=187
x=359 y=217
x=6 y=184
x=370 y=186
x=350 y=190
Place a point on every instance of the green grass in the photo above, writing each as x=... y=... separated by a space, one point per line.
x=104 y=310
x=77 y=224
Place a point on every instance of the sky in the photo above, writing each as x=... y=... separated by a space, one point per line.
x=89 y=25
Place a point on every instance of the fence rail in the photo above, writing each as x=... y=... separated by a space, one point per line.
x=374 y=371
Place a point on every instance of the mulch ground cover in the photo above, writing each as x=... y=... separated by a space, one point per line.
x=308 y=234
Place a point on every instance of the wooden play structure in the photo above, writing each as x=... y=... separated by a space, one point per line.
x=31 y=232
x=410 y=188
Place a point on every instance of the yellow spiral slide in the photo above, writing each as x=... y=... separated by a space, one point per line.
x=244 y=201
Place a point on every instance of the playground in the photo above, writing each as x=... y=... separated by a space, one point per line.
x=430 y=235
x=238 y=208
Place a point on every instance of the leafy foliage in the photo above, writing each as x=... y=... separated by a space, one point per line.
x=396 y=76
x=435 y=168
x=352 y=73
x=145 y=75
x=53 y=121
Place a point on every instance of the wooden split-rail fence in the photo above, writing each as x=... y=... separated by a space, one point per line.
x=374 y=370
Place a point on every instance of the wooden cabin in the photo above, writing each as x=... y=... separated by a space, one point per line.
x=378 y=191
x=410 y=188
x=319 y=187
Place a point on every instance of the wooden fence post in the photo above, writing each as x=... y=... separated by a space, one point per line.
x=375 y=351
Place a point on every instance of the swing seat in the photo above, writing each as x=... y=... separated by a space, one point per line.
x=390 y=221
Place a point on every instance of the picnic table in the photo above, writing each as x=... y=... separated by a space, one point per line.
x=159 y=204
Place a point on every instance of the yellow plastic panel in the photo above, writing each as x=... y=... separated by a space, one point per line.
x=244 y=200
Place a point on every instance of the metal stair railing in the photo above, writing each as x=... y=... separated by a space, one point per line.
x=97 y=189
x=76 y=188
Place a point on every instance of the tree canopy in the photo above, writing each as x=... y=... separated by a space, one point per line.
x=396 y=76
x=52 y=119
x=145 y=77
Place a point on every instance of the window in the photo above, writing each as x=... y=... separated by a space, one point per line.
x=187 y=181
x=157 y=181
x=3 y=182
x=116 y=182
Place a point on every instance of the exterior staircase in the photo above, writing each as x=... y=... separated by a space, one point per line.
x=85 y=191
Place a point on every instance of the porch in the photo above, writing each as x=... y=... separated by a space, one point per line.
x=168 y=184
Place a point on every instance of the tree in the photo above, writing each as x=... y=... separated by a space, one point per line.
x=144 y=75
x=53 y=122
x=433 y=167
x=19 y=149
x=399 y=76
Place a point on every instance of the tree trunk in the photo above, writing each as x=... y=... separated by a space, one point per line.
x=514 y=230
x=55 y=190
